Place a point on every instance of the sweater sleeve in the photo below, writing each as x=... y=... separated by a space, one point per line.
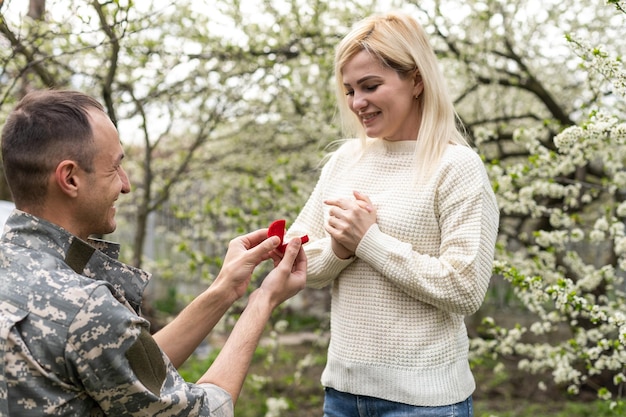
x=323 y=265
x=456 y=278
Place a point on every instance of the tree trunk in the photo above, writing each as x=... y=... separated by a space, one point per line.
x=36 y=9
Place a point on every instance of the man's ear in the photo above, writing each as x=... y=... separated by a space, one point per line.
x=67 y=177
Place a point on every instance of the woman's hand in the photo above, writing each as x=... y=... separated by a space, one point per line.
x=348 y=221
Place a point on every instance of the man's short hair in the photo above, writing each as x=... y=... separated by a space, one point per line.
x=45 y=128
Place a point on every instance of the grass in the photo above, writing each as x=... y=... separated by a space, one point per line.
x=277 y=372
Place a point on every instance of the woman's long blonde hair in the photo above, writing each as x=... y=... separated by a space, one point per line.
x=401 y=44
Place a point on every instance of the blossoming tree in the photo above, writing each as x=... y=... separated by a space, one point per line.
x=567 y=265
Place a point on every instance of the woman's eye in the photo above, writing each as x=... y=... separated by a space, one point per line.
x=366 y=88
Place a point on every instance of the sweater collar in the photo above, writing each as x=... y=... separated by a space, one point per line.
x=395 y=146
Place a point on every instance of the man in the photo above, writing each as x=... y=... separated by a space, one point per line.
x=72 y=342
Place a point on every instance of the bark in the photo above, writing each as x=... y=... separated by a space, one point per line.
x=36 y=9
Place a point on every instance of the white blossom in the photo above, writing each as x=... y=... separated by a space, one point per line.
x=281 y=326
x=565 y=140
x=621 y=209
x=275 y=406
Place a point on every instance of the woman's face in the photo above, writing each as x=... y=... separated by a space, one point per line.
x=384 y=102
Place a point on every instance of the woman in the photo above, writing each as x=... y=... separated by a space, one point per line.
x=403 y=223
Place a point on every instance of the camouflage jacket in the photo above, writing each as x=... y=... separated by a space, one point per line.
x=72 y=342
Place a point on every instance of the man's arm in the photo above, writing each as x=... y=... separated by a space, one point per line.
x=183 y=335
x=230 y=368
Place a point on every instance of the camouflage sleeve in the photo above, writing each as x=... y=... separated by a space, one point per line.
x=120 y=366
x=9 y=316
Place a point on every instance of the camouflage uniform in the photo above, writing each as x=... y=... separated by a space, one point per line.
x=72 y=342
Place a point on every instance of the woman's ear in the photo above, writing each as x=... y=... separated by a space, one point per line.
x=67 y=177
x=418 y=84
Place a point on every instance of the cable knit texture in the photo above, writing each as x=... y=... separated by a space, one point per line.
x=398 y=306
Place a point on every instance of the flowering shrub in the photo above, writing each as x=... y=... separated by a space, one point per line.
x=568 y=263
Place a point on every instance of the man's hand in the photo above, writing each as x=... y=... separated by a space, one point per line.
x=244 y=254
x=180 y=337
x=288 y=276
x=348 y=221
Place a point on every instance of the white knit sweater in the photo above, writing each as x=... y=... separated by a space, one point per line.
x=398 y=307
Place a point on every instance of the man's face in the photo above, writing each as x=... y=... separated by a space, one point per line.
x=108 y=179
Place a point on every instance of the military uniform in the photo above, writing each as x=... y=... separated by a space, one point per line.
x=72 y=342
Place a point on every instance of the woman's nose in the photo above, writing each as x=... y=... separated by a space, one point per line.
x=358 y=102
